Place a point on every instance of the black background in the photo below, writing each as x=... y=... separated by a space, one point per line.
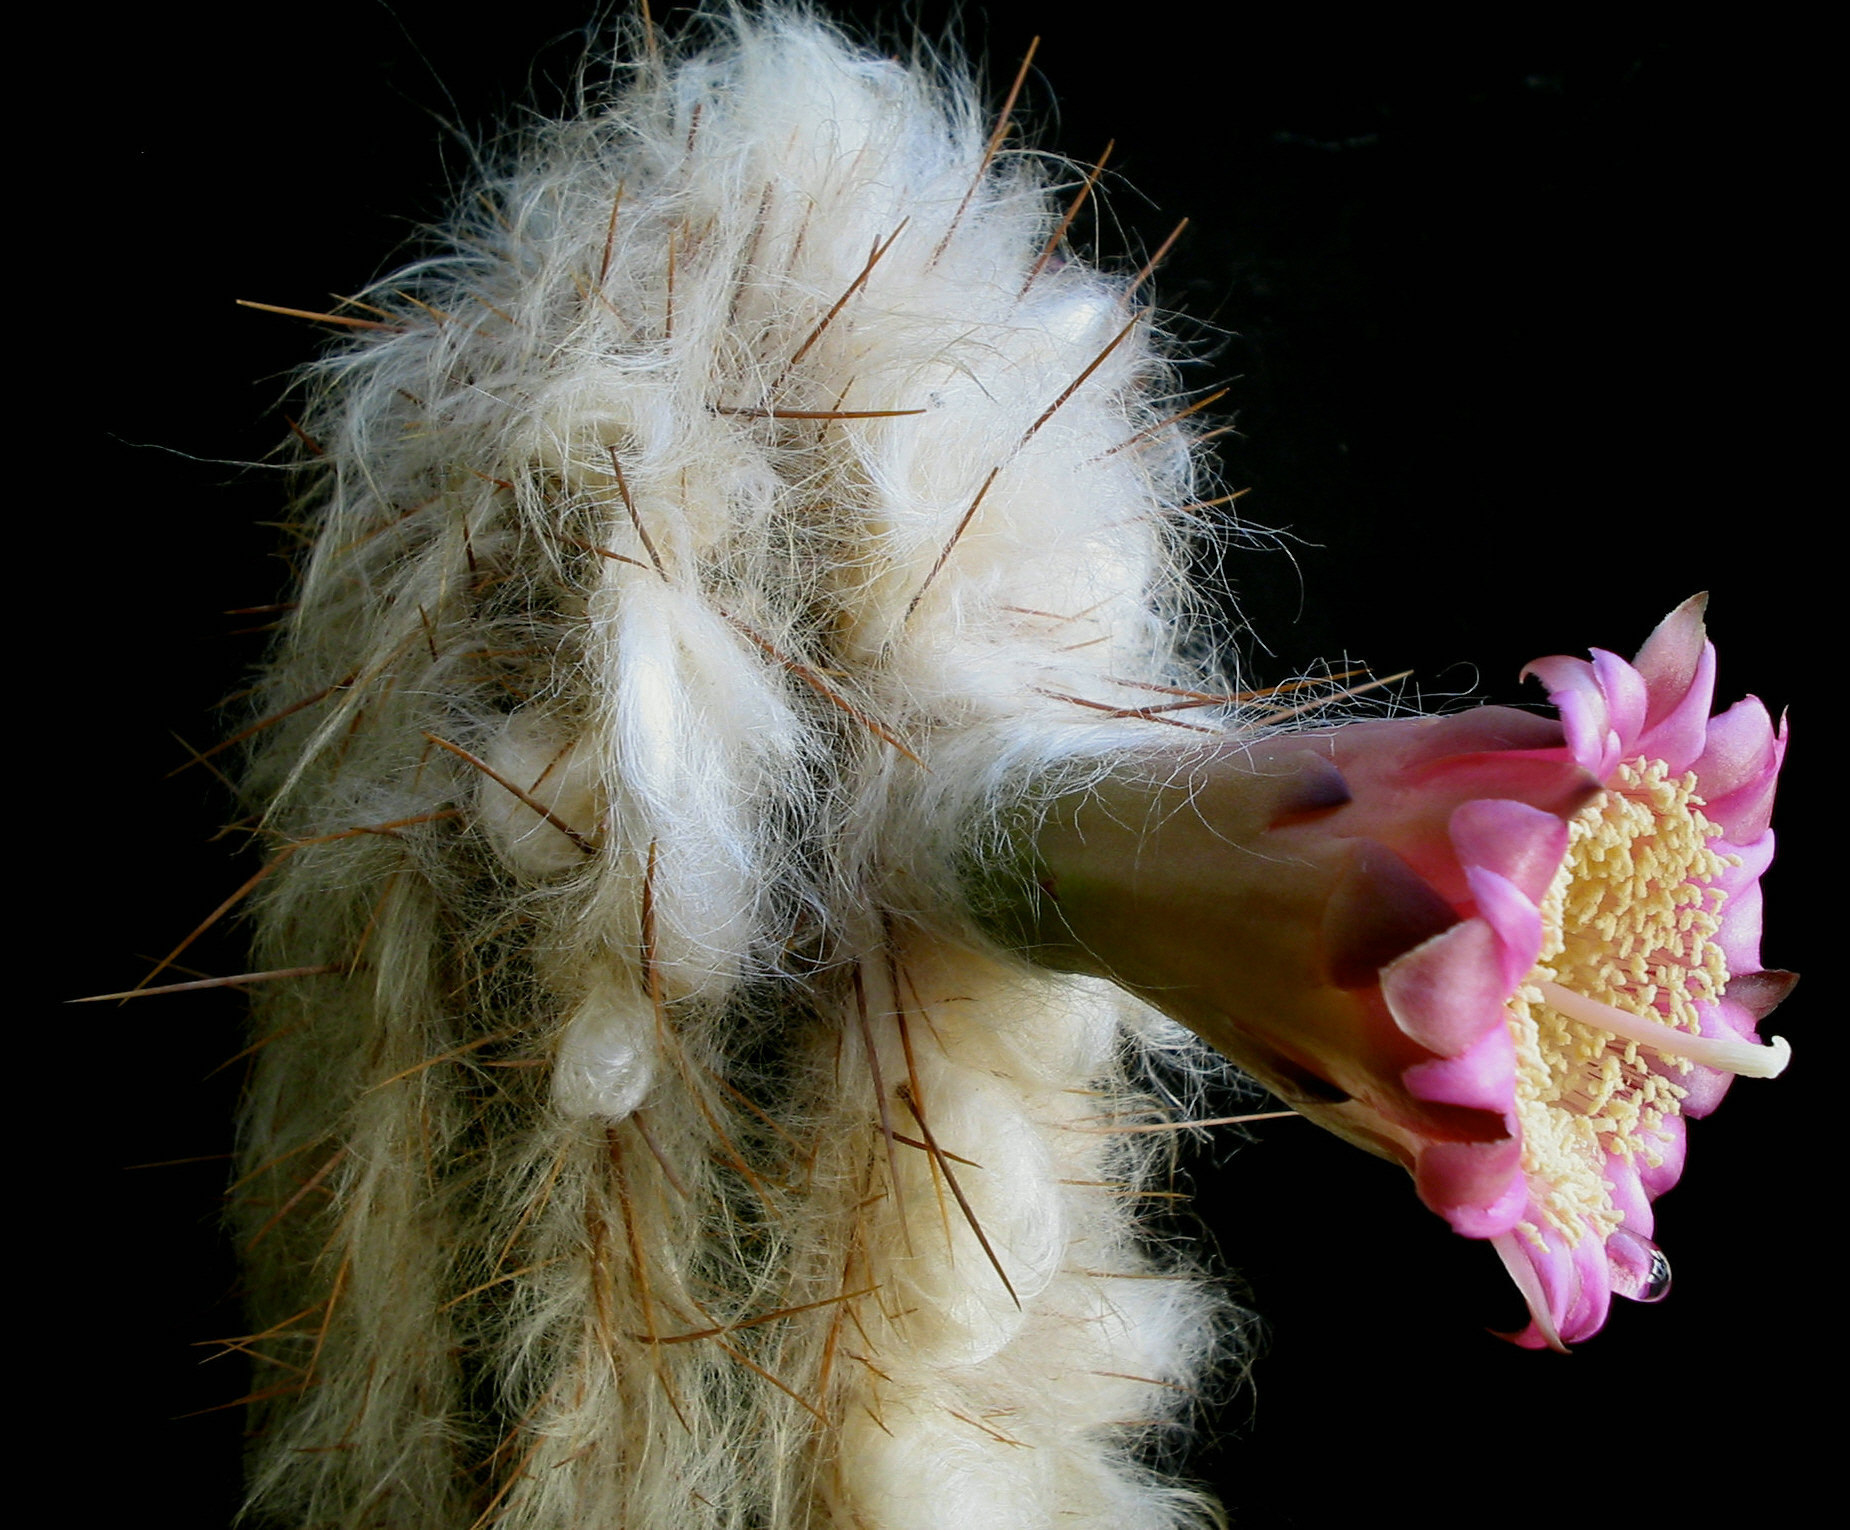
x=1517 y=325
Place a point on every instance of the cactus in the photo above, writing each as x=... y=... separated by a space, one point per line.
x=755 y=496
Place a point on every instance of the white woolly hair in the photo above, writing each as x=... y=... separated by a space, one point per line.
x=709 y=550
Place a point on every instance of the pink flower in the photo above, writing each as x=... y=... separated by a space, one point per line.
x=1511 y=953
x=1644 y=999
x=1603 y=980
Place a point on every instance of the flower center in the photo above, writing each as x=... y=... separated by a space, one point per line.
x=1606 y=1023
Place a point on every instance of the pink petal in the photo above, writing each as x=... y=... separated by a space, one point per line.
x=1626 y=696
x=1482 y=1077
x=1567 y=1289
x=1476 y=1186
x=1739 y=935
x=1705 y=1088
x=1521 y=843
x=1592 y=1295
x=1672 y=1146
x=1745 y=811
x=1515 y=918
x=1754 y=856
x=1450 y=990
x=1577 y=695
x=1740 y=747
x=1630 y=1199
x=1670 y=656
x=1679 y=736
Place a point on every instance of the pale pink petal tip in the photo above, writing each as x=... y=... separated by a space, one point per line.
x=1669 y=658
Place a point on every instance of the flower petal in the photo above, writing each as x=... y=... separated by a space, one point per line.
x=1575 y=692
x=1515 y=918
x=1626 y=695
x=1476 y=1186
x=1741 y=745
x=1743 y=808
x=1664 y=1168
x=1739 y=935
x=1680 y=734
x=1448 y=992
x=1671 y=655
x=1478 y=1077
x=1625 y=1177
x=1568 y=1288
x=1521 y=843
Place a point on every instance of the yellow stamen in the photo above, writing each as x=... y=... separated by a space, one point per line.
x=1607 y=1023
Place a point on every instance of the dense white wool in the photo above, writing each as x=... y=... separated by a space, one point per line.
x=700 y=565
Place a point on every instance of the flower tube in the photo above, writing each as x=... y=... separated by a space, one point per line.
x=1508 y=952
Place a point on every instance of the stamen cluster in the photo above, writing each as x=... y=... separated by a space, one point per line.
x=1630 y=921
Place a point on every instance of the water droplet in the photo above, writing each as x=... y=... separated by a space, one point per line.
x=1638 y=1268
x=1657 y=1282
